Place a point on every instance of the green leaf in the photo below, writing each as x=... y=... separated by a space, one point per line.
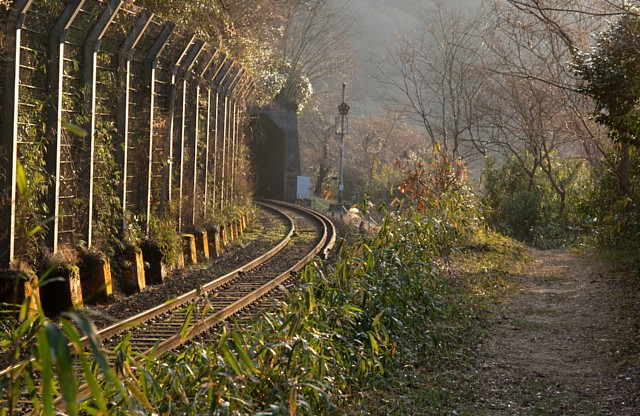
x=137 y=394
x=89 y=330
x=36 y=229
x=46 y=363
x=66 y=375
x=39 y=227
x=374 y=344
x=376 y=320
x=311 y=301
x=21 y=179
x=88 y=376
x=74 y=129
x=238 y=345
x=187 y=320
x=230 y=359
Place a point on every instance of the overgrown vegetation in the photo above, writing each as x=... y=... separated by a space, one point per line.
x=524 y=205
x=570 y=196
x=614 y=218
x=392 y=305
x=384 y=304
x=72 y=179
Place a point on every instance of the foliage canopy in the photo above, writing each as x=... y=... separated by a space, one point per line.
x=611 y=76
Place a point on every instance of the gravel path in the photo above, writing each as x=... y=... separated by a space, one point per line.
x=567 y=342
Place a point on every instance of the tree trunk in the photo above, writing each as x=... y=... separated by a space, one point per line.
x=322 y=175
x=624 y=169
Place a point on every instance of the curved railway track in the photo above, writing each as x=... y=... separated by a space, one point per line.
x=163 y=328
x=174 y=323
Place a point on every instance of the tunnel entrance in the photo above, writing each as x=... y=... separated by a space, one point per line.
x=268 y=157
x=275 y=150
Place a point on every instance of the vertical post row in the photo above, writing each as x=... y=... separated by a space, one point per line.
x=184 y=73
x=15 y=21
x=125 y=56
x=168 y=181
x=151 y=63
x=57 y=40
x=207 y=140
x=91 y=48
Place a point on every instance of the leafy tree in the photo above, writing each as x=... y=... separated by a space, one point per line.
x=288 y=45
x=610 y=75
x=607 y=73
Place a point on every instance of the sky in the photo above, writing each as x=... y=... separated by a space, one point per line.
x=376 y=26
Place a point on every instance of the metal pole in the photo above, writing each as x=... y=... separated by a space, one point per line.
x=216 y=132
x=182 y=73
x=223 y=167
x=151 y=64
x=343 y=109
x=9 y=139
x=57 y=39
x=90 y=63
x=125 y=57
x=194 y=155
x=206 y=155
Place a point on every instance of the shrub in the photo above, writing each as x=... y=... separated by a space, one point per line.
x=614 y=218
x=527 y=207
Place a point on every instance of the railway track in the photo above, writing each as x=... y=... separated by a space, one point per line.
x=162 y=328
x=171 y=324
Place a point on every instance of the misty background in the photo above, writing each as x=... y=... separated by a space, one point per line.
x=377 y=24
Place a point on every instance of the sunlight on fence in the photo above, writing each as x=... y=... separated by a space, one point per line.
x=118 y=118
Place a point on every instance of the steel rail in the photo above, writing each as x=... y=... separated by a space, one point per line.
x=180 y=336
x=191 y=295
x=330 y=228
x=176 y=303
x=325 y=243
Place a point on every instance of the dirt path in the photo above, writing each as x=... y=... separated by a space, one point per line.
x=566 y=343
